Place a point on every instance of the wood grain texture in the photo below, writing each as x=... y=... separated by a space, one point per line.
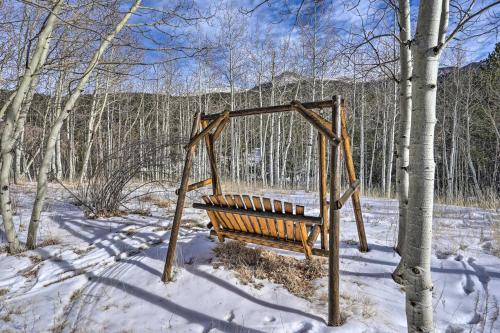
x=271 y=222
x=262 y=221
x=253 y=219
x=289 y=225
x=351 y=173
x=280 y=223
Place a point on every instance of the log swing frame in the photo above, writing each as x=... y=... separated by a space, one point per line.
x=209 y=128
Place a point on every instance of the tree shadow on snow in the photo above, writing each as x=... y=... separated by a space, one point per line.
x=101 y=232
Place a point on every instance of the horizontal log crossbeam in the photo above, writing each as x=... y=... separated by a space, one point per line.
x=270 y=109
x=309 y=220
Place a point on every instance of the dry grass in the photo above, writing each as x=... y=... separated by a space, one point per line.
x=105 y=213
x=3 y=291
x=31 y=273
x=131 y=232
x=51 y=240
x=35 y=259
x=488 y=199
x=164 y=203
x=297 y=276
x=377 y=192
x=191 y=224
x=76 y=295
x=157 y=201
x=6 y=315
x=141 y=212
x=162 y=228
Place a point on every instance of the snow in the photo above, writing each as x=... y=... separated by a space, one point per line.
x=104 y=275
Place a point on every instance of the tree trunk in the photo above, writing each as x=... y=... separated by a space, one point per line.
x=8 y=141
x=56 y=127
x=391 y=144
x=362 y=141
x=384 y=143
x=405 y=104
x=417 y=254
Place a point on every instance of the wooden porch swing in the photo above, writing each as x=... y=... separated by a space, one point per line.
x=274 y=223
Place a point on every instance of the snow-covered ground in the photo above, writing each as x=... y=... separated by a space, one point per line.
x=104 y=275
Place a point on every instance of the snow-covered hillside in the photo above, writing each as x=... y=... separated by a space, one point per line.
x=104 y=275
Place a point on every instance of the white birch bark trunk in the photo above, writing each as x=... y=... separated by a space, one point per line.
x=405 y=105
x=12 y=114
x=56 y=127
x=94 y=123
x=472 y=168
x=450 y=190
x=391 y=145
x=431 y=26
x=6 y=104
x=362 y=141
x=384 y=144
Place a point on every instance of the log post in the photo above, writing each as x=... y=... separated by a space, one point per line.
x=209 y=142
x=334 y=230
x=351 y=173
x=322 y=190
x=169 y=261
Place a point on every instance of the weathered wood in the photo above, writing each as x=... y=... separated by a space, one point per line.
x=223 y=216
x=214 y=218
x=253 y=219
x=209 y=143
x=322 y=193
x=222 y=221
x=239 y=220
x=254 y=213
x=195 y=186
x=280 y=224
x=347 y=194
x=246 y=219
x=269 y=109
x=317 y=121
x=334 y=232
x=301 y=227
x=188 y=163
x=194 y=140
x=265 y=241
x=269 y=241
x=299 y=211
x=220 y=201
x=218 y=131
x=351 y=173
x=289 y=225
x=262 y=221
x=271 y=223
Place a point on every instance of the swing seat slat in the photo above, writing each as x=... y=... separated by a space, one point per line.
x=261 y=221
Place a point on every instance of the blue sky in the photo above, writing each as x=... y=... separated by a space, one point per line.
x=344 y=15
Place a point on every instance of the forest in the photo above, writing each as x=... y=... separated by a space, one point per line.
x=98 y=100
x=110 y=123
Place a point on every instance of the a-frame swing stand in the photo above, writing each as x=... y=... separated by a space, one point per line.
x=275 y=223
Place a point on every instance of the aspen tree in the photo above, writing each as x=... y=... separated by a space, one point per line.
x=56 y=127
x=427 y=45
x=13 y=110
x=405 y=107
